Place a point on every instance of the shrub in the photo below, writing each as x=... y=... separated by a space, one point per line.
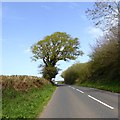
x=22 y=83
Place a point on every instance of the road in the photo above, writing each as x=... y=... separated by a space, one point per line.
x=81 y=102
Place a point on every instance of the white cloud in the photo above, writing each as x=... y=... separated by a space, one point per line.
x=95 y=32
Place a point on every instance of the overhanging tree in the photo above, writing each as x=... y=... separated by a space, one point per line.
x=105 y=15
x=53 y=48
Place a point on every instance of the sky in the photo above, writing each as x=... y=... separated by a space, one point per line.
x=25 y=23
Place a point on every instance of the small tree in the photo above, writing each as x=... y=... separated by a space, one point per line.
x=53 y=48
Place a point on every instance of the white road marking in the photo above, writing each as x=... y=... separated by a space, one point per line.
x=79 y=90
x=72 y=87
x=101 y=102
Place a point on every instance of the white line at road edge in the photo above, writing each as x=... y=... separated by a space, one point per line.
x=101 y=102
x=79 y=90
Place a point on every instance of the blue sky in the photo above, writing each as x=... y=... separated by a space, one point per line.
x=23 y=24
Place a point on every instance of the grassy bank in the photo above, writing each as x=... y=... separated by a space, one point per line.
x=25 y=104
x=24 y=96
x=109 y=86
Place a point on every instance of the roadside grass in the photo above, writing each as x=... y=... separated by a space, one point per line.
x=109 y=86
x=19 y=104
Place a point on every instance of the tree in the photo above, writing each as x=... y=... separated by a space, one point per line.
x=78 y=72
x=105 y=57
x=105 y=14
x=53 y=48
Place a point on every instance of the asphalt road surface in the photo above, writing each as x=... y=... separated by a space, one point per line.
x=81 y=102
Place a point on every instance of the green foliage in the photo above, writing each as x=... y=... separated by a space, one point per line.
x=60 y=82
x=25 y=104
x=105 y=62
x=70 y=76
x=58 y=46
x=49 y=72
x=103 y=85
x=103 y=68
x=77 y=72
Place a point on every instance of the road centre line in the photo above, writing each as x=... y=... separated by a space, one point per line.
x=79 y=90
x=101 y=102
x=72 y=87
x=95 y=99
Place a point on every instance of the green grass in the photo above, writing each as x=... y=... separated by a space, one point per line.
x=25 y=104
x=109 y=86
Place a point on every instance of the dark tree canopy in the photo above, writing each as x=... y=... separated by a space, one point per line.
x=55 y=47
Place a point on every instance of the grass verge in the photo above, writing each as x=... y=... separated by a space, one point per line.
x=18 y=104
x=109 y=86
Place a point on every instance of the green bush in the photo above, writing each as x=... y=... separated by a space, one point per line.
x=103 y=67
x=78 y=72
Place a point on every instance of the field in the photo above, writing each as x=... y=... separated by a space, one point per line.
x=24 y=96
